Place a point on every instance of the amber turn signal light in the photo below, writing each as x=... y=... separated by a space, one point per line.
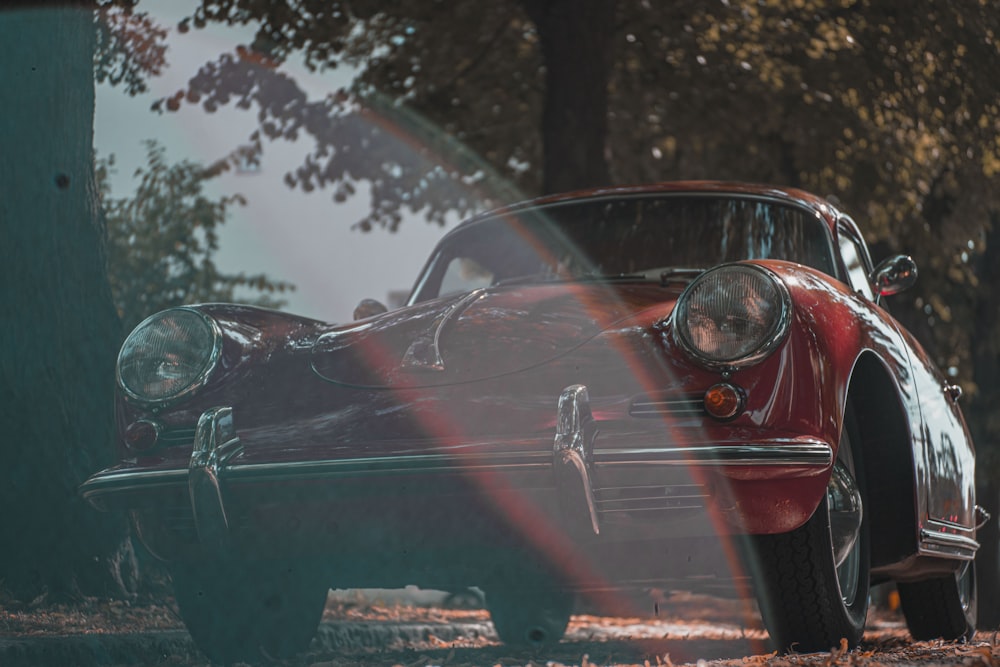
x=142 y=435
x=723 y=401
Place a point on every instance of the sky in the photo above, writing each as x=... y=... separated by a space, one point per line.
x=298 y=237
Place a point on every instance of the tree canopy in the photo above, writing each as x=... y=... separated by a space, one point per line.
x=891 y=111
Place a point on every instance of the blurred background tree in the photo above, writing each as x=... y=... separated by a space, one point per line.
x=162 y=240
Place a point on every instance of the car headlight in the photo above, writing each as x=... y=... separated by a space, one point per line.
x=168 y=356
x=732 y=316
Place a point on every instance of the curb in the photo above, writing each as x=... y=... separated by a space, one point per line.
x=96 y=649
x=103 y=650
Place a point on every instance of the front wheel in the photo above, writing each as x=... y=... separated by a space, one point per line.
x=813 y=581
x=941 y=608
x=240 y=612
x=529 y=618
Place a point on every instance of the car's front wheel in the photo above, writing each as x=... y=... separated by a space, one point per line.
x=813 y=581
x=240 y=612
x=941 y=608
x=529 y=618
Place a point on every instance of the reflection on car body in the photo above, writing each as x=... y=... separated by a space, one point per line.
x=687 y=385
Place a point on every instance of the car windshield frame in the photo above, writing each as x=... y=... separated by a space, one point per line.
x=546 y=242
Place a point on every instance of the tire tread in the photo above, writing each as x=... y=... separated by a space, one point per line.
x=797 y=575
x=933 y=610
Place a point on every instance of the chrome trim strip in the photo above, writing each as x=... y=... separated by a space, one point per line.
x=799 y=453
x=655 y=500
x=638 y=499
x=119 y=481
x=131 y=480
x=945 y=524
x=685 y=405
x=671 y=490
x=416 y=463
x=957 y=545
x=631 y=510
x=795 y=453
x=176 y=436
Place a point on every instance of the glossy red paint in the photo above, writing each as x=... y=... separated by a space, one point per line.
x=358 y=438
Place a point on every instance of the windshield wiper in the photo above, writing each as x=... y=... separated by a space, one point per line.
x=529 y=278
x=569 y=278
x=666 y=276
x=678 y=274
x=611 y=277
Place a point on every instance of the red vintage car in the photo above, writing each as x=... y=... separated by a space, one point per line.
x=681 y=386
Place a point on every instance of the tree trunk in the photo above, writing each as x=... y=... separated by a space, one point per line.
x=985 y=425
x=60 y=329
x=575 y=38
x=983 y=420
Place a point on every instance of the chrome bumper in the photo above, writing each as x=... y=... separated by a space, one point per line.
x=575 y=458
x=570 y=466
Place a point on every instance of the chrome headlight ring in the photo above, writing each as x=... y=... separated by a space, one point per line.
x=168 y=356
x=732 y=316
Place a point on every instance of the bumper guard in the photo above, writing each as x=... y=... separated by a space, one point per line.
x=572 y=458
x=215 y=441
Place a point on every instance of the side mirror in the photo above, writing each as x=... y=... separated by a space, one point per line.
x=893 y=275
x=369 y=308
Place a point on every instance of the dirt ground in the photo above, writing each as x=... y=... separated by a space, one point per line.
x=688 y=630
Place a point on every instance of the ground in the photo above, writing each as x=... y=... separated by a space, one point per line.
x=689 y=630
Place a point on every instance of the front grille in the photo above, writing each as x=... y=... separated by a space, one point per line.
x=176 y=436
x=659 y=406
x=179 y=522
x=657 y=498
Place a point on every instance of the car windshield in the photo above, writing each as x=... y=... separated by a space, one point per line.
x=630 y=238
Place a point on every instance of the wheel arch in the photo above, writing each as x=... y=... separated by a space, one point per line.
x=887 y=456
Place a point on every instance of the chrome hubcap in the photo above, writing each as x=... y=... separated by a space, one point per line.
x=843 y=499
x=965 y=584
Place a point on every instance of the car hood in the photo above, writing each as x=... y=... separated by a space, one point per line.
x=481 y=334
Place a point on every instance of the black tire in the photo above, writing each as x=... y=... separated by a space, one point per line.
x=468 y=598
x=530 y=618
x=941 y=608
x=238 y=612
x=808 y=603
